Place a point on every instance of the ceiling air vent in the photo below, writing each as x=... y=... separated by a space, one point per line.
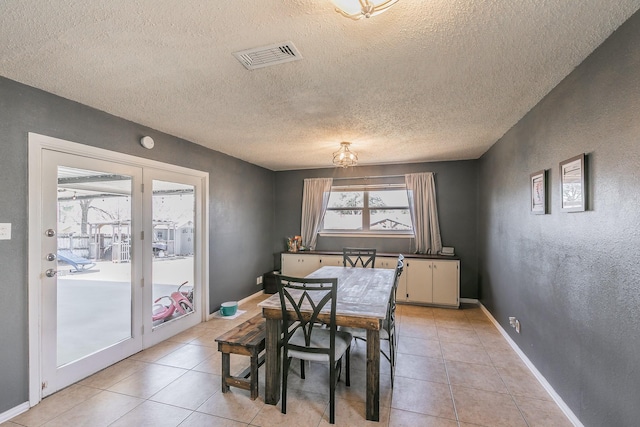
x=266 y=56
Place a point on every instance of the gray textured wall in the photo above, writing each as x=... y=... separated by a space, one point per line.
x=241 y=209
x=456 y=188
x=573 y=279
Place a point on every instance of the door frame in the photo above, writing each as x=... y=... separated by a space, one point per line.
x=37 y=143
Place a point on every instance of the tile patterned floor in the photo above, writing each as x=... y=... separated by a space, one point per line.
x=454 y=369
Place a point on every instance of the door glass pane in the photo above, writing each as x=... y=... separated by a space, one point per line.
x=94 y=304
x=173 y=248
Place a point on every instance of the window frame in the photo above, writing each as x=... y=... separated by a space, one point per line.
x=366 y=212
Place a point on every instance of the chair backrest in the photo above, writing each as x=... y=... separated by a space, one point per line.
x=303 y=302
x=359 y=257
x=391 y=310
x=399 y=270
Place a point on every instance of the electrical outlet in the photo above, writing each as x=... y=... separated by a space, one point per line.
x=517 y=326
x=258 y=280
x=5 y=231
x=512 y=321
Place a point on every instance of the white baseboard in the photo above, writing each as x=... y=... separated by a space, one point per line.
x=543 y=381
x=14 y=412
x=242 y=301
x=469 y=301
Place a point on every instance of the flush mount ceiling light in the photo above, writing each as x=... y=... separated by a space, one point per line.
x=345 y=157
x=356 y=9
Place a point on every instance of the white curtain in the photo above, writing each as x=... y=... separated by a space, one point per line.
x=315 y=198
x=421 y=189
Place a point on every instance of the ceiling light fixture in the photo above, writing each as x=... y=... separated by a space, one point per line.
x=356 y=9
x=345 y=157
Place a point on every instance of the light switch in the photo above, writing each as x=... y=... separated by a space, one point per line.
x=5 y=231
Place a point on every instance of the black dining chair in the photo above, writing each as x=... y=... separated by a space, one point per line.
x=388 y=330
x=359 y=257
x=389 y=323
x=308 y=304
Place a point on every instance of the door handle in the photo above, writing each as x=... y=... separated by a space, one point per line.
x=50 y=272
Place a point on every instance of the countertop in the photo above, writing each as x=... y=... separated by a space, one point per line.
x=378 y=255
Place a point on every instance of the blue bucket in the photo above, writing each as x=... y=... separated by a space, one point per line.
x=229 y=308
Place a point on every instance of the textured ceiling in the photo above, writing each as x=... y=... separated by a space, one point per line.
x=426 y=81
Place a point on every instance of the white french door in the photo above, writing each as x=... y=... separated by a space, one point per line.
x=91 y=306
x=117 y=248
x=174 y=208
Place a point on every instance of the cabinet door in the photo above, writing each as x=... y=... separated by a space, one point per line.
x=386 y=262
x=446 y=282
x=419 y=280
x=331 y=260
x=299 y=265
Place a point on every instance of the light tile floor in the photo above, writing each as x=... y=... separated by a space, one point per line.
x=453 y=369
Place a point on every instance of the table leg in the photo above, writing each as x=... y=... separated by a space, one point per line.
x=272 y=362
x=373 y=375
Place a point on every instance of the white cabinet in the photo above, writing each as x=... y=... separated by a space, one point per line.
x=299 y=265
x=432 y=282
x=331 y=260
x=423 y=281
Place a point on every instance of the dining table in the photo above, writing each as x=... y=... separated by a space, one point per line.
x=362 y=301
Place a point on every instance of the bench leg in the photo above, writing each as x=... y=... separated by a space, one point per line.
x=226 y=371
x=254 y=376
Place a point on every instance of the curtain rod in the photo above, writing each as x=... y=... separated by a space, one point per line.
x=368 y=177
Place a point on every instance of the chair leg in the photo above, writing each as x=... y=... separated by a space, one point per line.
x=332 y=393
x=302 y=368
x=393 y=360
x=286 y=361
x=348 y=375
x=395 y=343
x=393 y=348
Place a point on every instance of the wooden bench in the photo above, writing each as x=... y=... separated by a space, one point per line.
x=246 y=339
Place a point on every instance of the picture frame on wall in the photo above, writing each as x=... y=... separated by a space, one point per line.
x=573 y=190
x=538 y=185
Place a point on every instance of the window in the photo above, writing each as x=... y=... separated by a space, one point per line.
x=382 y=209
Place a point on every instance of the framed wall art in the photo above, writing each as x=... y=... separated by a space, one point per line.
x=573 y=190
x=538 y=184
